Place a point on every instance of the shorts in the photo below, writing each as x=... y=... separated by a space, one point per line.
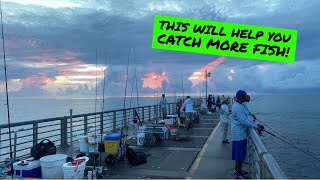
x=189 y=116
x=164 y=110
x=239 y=150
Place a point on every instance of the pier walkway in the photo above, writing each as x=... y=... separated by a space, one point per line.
x=170 y=159
x=201 y=155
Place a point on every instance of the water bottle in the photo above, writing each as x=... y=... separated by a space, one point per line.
x=1 y=175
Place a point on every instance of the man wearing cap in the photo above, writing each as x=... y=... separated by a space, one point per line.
x=239 y=126
x=224 y=119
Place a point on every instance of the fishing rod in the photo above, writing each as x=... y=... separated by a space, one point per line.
x=263 y=123
x=103 y=91
x=124 y=103
x=182 y=84
x=7 y=92
x=95 y=109
x=282 y=139
x=135 y=75
x=308 y=153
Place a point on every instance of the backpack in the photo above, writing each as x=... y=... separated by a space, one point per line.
x=136 y=158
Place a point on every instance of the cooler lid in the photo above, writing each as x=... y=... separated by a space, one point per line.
x=113 y=136
x=29 y=165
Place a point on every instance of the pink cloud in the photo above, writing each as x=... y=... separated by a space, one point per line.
x=153 y=80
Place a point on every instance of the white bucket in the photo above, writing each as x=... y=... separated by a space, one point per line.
x=51 y=166
x=140 y=139
x=93 y=147
x=84 y=146
x=69 y=170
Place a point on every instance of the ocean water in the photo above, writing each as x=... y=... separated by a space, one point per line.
x=294 y=117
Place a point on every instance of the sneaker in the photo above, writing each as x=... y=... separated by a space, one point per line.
x=242 y=172
x=239 y=176
x=225 y=142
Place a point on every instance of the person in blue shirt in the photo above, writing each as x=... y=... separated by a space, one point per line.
x=239 y=126
x=245 y=105
x=163 y=106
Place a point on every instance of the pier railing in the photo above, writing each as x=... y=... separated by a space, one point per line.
x=58 y=129
x=261 y=163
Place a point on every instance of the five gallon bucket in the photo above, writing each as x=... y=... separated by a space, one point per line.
x=51 y=166
x=72 y=172
x=140 y=139
x=83 y=143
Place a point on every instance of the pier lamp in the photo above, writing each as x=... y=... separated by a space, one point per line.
x=208 y=74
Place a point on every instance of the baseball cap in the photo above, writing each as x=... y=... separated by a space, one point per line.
x=241 y=93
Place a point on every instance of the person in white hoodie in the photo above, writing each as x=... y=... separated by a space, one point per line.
x=224 y=119
x=188 y=105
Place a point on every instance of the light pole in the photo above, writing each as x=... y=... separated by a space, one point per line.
x=207 y=75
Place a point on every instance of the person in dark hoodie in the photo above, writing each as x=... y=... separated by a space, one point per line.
x=209 y=102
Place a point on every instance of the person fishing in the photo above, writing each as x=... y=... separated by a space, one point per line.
x=239 y=126
x=209 y=102
x=163 y=106
x=218 y=102
x=224 y=119
x=179 y=107
x=213 y=104
x=245 y=105
x=188 y=105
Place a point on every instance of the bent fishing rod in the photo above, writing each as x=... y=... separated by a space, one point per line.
x=307 y=153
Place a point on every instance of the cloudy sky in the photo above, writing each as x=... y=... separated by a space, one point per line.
x=51 y=48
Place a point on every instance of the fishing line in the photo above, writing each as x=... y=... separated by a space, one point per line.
x=6 y=79
x=292 y=145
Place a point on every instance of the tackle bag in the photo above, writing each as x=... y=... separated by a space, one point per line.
x=136 y=158
x=43 y=149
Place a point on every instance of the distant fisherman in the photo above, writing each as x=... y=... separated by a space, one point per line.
x=245 y=105
x=163 y=106
x=224 y=119
x=239 y=126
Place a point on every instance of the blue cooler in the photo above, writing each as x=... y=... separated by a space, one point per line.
x=27 y=169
